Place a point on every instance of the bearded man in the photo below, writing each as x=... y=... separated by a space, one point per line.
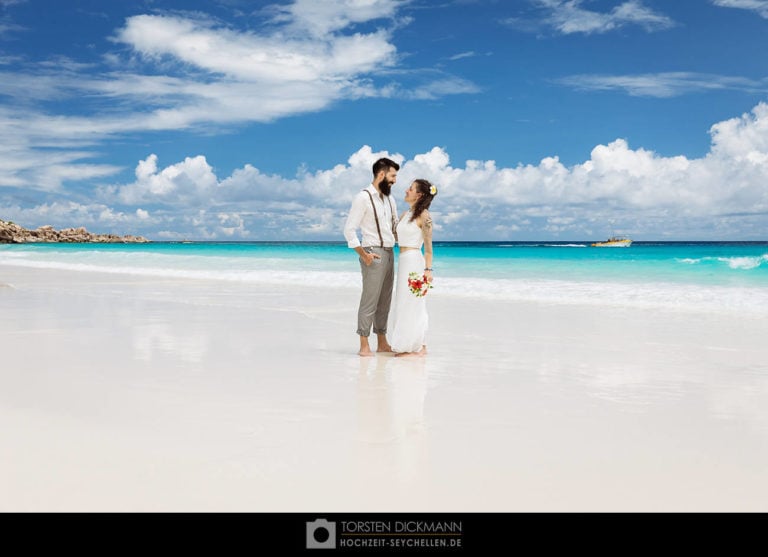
x=374 y=213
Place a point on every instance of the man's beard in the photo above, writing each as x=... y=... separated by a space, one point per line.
x=385 y=187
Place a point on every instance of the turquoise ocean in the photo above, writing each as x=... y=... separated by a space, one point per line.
x=727 y=277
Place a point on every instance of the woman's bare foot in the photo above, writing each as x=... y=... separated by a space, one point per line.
x=418 y=354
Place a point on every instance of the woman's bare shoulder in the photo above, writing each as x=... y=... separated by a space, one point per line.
x=425 y=219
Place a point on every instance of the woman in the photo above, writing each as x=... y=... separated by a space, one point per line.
x=409 y=319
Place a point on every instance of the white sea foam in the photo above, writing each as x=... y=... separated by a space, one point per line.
x=741 y=263
x=744 y=262
x=747 y=301
x=542 y=245
x=652 y=295
x=343 y=273
x=265 y=276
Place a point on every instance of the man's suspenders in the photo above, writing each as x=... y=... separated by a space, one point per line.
x=376 y=216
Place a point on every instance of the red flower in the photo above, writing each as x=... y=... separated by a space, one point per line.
x=418 y=285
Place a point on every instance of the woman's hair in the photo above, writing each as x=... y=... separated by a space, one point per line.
x=426 y=189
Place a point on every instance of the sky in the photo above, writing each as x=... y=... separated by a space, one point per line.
x=240 y=120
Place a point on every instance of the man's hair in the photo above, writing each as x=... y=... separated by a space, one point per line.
x=384 y=164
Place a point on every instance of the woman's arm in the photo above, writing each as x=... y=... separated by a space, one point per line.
x=426 y=231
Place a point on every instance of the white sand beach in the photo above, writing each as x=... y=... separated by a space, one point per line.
x=122 y=393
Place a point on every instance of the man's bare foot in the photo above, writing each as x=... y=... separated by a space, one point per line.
x=382 y=344
x=365 y=348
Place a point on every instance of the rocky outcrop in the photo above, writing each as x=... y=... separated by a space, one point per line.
x=11 y=233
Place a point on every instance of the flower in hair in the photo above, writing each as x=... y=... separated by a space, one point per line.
x=433 y=190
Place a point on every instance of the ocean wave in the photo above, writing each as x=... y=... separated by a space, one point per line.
x=745 y=262
x=737 y=263
x=329 y=279
x=742 y=301
x=652 y=295
x=541 y=245
x=15 y=254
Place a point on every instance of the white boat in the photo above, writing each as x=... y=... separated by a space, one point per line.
x=613 y=242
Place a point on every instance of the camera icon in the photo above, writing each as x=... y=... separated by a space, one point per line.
x=321 y=534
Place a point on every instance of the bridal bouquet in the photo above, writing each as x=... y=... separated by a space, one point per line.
x=418 y=284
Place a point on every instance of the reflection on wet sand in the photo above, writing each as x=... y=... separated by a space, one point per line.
x=153 y=340
x=392 y=438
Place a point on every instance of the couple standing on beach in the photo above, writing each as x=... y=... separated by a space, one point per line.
x=374 y=212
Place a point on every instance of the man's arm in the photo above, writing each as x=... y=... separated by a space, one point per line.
x=355 y=217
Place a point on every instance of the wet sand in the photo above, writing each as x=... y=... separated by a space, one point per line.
x=124 y=393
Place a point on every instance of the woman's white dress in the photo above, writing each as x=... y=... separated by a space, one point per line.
x=409 y=318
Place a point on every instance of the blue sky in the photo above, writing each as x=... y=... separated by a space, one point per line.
x=242 y=120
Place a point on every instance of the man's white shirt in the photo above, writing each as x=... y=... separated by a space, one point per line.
x=361 y=216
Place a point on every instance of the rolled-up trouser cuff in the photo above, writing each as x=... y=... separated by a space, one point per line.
x=368 y=333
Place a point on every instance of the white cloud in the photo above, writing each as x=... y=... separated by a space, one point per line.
x=635 y=186
x=190 y=71
x=6 y=27
x=743 y=139
x=97 y=217
x=231 y=224
x=432 y=89
x=322 y=17
x=569 y=16
x=194 y=182
x=48 y=167
x=665 y=84
x=189 y=200
x=190 y=182
x=257 y=58
x=721 y=195
x=468 y=54
x=759 y=6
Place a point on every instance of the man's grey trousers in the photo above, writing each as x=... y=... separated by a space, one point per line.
x=378 y=278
